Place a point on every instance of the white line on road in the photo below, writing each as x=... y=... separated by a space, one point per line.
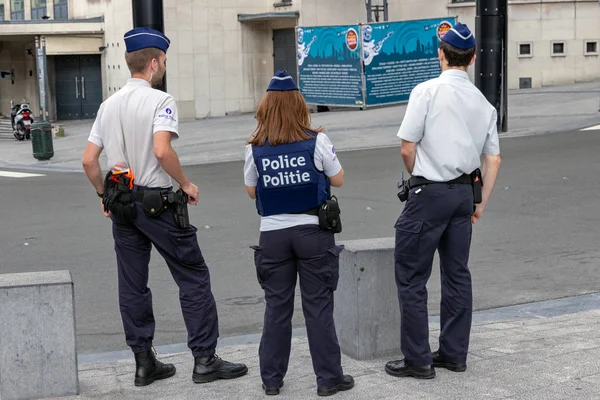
x=10 y=174
x=592 y=128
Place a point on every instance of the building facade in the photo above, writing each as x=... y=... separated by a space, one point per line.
x=223 y=52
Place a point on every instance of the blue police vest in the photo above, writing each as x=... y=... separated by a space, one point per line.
x=288 y=181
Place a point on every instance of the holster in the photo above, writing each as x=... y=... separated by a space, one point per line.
x=118 y=198
x=179 y=204
x=477 y=186
x=329 y=215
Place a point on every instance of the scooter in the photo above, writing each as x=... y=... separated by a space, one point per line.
x=21 y=119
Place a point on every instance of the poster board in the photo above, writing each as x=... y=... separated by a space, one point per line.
x=368 y=64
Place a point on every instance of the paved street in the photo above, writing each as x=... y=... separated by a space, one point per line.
x=531 y=112
x=537 y=240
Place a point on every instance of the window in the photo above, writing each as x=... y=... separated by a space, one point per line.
x=2 y=10
x=61 y=9
x=38 y=9
x=558 y=49
x=17 y=10
x=525 y=49
x=591 y=48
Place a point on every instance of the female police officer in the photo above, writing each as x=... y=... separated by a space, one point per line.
x=289 y=168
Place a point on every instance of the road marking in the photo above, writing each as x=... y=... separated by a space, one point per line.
x=592 y=128
x=10 y=174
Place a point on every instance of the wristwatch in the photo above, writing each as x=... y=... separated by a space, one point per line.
x=101 y=195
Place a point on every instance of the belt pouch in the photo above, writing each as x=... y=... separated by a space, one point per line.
x=152 y=203
x=329 y=216
x=477 y=183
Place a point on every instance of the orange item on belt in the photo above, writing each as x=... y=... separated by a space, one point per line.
x=126 y=175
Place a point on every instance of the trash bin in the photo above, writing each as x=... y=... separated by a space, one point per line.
x=41 y=140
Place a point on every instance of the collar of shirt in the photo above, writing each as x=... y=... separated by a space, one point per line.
x=455 y=73
x=138 y=82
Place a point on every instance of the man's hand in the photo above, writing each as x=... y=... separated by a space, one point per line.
x=192 y=191
x=106 y=214
x=477 y=214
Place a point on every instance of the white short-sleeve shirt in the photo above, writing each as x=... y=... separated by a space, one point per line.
x=125 y=128
x=326 y=160
x=452 y=123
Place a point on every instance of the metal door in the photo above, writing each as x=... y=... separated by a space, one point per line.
x=78 y=86
x=91 y=85
x=284 y=51
x=68 y=101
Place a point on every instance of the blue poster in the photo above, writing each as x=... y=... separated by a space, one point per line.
x=400 y=55
x=329 y=65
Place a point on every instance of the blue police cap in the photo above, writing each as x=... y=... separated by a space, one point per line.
x=143 y=38
x=282 y=82
x=460 y=37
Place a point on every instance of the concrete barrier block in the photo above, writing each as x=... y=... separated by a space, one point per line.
x=367 y=313
x=38 y=355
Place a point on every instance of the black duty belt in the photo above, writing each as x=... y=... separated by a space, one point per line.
x=465 y=179
x=139 y=194
x=312 y=211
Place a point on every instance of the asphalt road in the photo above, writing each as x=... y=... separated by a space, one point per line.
x=538 y=238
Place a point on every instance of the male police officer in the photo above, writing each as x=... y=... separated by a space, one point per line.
x=135 y=126
x=447 y=127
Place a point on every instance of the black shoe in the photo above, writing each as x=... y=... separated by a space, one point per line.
x=347 y=383
x=211 y=368
x=401 y=369
x=149 y=369
x=438 y=361
x=272 y=390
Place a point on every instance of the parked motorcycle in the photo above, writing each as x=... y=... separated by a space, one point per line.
x=21 y=119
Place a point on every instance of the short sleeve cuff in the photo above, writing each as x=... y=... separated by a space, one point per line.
x=96 y=140
x=160 y=128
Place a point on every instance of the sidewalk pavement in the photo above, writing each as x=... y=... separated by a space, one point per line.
x=547 y=350
x=531 y=111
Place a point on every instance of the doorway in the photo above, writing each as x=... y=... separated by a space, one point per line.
x=284 y=51
x=78 y=86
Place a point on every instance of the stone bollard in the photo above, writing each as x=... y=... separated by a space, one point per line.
x=38 y=355
x=367 y=314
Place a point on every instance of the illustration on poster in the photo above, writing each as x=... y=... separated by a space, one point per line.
x=370 y=49
x=303 y=49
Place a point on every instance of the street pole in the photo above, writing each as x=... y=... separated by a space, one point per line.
x=385 y=11
x=149 y=14
x=42 y=76
x=491 y=28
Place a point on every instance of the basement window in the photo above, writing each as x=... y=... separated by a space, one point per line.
x=559 y=49
x=525 y=49
x=591 y=48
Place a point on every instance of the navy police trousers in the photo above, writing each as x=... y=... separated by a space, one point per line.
x=284 y=254
x=436 y=216
x=179 y=247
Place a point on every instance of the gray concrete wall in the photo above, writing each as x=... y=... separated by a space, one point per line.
x=38 y=357
x=367 y=314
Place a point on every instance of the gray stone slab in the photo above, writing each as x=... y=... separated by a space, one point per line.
x=25 y=279
x=37 y=336
x=367 y=314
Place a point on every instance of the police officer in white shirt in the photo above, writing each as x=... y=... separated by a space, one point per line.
x=136 y=126
x=448 y=125
x=289 y=170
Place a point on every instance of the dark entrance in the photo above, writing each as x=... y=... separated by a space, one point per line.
x=284 y=51
x=78 y=86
